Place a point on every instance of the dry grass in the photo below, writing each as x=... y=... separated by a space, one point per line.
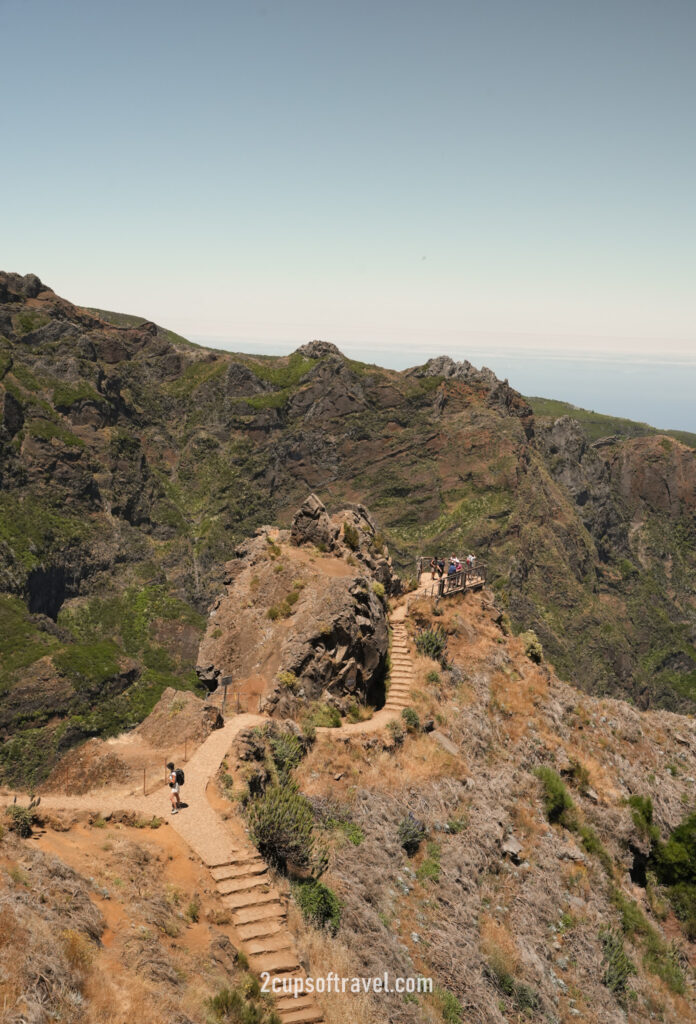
x=527 y=820
x=498 y=946
x=323 y=954
x=517 y=698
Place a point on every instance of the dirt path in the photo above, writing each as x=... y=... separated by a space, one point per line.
x=258 y=910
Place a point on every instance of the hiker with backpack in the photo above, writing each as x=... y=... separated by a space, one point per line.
x=176 y=781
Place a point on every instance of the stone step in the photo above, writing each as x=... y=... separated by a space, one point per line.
x=262 y=912
x=271 y=944
x=249 y=898
x=312 y=1015
x=249 y=867
x=238 y=884
x=288 y=1002
x=260 y=929
x=284 y=961
x=287 y=978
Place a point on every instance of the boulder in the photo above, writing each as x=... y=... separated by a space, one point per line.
x=311 y=524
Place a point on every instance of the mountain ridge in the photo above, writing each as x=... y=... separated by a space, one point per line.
x=132 y=465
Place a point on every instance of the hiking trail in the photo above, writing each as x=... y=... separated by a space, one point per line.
x=258 y=909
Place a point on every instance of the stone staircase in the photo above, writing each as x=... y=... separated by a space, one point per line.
x=401 y=675
x=259 y=914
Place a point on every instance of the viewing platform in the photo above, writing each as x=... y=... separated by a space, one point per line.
x=453 y=583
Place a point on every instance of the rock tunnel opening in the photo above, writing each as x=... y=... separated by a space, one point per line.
x=639 y=868
x=46 y=591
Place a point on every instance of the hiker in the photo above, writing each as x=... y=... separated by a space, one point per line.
x=174 y=787
x=433 y=566
x=450 y=568
x=470 y=561
x=457 y=565
x=441 y=567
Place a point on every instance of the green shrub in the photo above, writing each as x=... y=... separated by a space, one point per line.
x=352 y=831
x=675 y=860
x=287 y=753
x=379 y=591
x=433 y=676
x=618 y=965
x=21 y=820
x=532 y=646
x=288 y=680
x=432 y=643
x=449 y=1005
x=351 y=536
x=557 y=800
x=241 y=1005
x=319 y=904
x=309 y=731
x=593 y=844
x=429 y=868
x=682 y=897
x=321 y=716
x=523 y=996
x=395 y=731
x=658 y=957
x=642 y=809
x=281 y=825
x=411 y=833
x=457 y=824
x=193 y=911
x=411 y=719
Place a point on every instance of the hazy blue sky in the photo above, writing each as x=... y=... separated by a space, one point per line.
x=516 y=172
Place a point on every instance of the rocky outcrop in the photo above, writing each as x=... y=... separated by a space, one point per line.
x=656 y=472
x=303 y=617
x=350 y=533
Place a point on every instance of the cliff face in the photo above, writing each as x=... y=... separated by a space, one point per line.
x=132 y=464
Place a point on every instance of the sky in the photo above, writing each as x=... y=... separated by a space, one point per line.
x=499 y=175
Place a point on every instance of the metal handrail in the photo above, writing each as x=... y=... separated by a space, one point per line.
x=455 y=582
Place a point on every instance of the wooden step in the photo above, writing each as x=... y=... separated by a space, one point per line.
x=262 y=912
x=248 y=898
x=238 y=884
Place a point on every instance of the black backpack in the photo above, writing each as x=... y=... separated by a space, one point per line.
x=180 y=777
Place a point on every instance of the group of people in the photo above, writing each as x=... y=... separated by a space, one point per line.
x=437 y=565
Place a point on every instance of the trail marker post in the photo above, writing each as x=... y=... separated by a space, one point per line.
x=224 y=683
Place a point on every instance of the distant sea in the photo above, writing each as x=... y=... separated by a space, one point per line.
x=658 y=391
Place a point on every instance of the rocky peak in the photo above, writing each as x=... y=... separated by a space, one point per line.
x=318 y=349
x=18 y=287
x=450 y=369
